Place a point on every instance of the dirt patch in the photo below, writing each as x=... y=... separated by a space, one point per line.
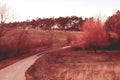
x=76 y=65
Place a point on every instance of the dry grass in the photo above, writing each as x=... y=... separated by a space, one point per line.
x=90 y=72
x=76 y=65
x=18 y=42
x=22 y=42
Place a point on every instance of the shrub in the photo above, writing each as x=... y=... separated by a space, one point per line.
x=13 y=43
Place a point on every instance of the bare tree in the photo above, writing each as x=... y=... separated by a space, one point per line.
x=4 y=13
x=4 y=16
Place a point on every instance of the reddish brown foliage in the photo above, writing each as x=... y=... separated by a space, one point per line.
x=112 y=25
x=94 y=35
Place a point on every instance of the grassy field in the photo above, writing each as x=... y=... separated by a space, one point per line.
x=70 y=64
x=76 y=65
x=18 y=44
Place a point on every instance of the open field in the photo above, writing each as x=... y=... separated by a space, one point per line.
x=67 y=64
x=18 y=44
x=76 y=65
x=59 y=40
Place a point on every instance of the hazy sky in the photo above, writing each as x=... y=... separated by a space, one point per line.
x=31 y=9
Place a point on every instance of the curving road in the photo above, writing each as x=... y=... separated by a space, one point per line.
x=17 y=70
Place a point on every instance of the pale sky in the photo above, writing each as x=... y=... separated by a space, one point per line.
x=31 y=9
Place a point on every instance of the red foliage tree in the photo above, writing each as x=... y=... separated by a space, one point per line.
x=94 y=35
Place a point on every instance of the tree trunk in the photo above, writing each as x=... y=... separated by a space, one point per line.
x=95 y=49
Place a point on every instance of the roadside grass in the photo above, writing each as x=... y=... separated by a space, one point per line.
x=76 y=65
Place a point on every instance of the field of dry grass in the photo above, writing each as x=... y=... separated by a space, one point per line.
x=76 y=65
x=18 y=44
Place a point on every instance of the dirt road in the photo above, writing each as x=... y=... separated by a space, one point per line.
x=17 y=70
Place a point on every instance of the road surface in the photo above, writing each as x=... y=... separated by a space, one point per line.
x=17 y=70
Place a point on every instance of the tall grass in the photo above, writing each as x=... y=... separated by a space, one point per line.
x=90 y=72
x=76 y=65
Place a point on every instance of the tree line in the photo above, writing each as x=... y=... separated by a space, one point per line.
x=62 y=23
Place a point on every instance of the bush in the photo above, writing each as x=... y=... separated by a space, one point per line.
x=13 y=43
